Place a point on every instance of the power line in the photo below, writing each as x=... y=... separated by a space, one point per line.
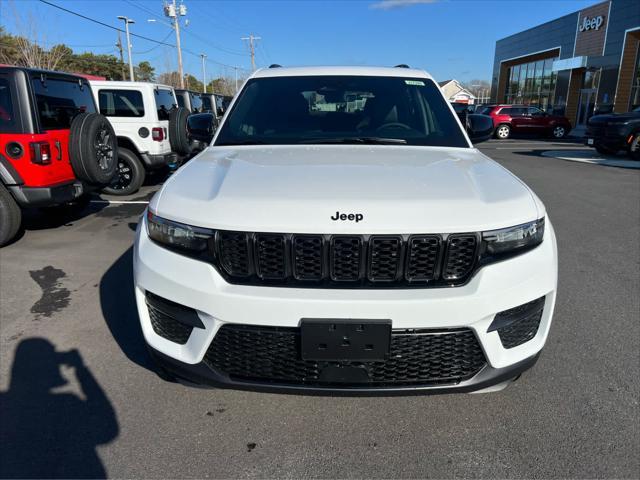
x=153 y=48
x=103 y=24
x=158 y=42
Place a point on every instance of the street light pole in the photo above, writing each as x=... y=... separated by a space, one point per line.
x=204 y=74
x=128 y=21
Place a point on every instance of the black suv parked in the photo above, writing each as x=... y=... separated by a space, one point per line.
x=614 y=132
x=190 y=100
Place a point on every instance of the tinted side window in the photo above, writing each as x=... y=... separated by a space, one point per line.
x=180 y=99
x=121 y=103
x=518 y=112
x=207 y=105
x=60 y=100
x=505 y=111
x=164 y=102
x=196 y=103
x=534 y=111
x=8 y=121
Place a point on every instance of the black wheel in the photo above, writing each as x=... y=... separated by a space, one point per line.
x=10 y=217
x=93 y=148
x=558 y=131
x=634 y=147
x=503 y=132
x=129 y=175
x=178 y=135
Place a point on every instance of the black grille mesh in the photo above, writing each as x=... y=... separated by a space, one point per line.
x=346 y=261
x=346 y=254
x=524 y=323
x=461 y=253
x=272 y=355
x=234 y=253
x=271 y=256
x=307 y=260
x=166 y=326
x=422 y=257
x=384 y=261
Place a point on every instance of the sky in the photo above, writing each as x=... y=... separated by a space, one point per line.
x=448 y=38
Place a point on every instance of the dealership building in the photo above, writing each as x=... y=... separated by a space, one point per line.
x=583 y=63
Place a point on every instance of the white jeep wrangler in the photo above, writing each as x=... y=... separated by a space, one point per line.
x=150 y=128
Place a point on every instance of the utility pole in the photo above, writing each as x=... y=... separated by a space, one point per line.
x=236 y=70
x=128 y=21
x=174 y=12
x=119 y=47
x=252 y=49
x=204 y=74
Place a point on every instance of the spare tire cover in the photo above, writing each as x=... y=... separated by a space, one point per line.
x=93 y=148
x=178 y=136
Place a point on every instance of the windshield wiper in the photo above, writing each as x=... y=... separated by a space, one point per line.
x=357 y=140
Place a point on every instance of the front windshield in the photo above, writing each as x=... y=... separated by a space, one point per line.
x=341 y=109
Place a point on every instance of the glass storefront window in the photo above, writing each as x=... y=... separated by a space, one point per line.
x=634 y=100
x=531 y=83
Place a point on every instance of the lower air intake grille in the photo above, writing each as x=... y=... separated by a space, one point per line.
x=417 y=357
x=520 y=324
x=165 y=325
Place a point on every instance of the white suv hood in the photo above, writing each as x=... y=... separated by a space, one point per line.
x=297 y=189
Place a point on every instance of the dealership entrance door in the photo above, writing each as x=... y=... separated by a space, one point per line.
x=586 y=105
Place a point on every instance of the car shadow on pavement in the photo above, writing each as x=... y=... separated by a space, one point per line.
x=47 y=433
x=119 y=310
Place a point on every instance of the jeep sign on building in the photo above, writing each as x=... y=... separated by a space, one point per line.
x=576 y=65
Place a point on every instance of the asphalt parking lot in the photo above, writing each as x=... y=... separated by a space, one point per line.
x=66 y=286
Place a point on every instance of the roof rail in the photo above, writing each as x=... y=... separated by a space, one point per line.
x=401 y=65
x=275 y=65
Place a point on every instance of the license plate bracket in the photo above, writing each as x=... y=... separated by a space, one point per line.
x=344 y=339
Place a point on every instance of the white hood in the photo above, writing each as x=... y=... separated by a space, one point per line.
x=297 y=189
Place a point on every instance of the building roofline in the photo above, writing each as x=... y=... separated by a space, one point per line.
x=550 y=21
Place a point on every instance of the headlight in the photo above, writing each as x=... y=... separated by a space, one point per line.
x=512 y=240
x=178 y=236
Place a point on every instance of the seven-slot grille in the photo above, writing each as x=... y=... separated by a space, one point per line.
x=346 y=261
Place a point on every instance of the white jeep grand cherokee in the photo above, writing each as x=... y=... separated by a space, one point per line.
x=341 y=233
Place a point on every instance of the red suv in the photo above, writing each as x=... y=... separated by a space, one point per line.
x=54 y=147
x=525 y=119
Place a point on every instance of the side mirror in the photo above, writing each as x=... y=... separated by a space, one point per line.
x=201 y=127
x=479 y=127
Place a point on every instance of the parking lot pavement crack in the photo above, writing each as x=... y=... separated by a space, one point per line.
x=54 y=296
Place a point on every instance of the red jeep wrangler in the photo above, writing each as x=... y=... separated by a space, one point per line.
x=54 y=147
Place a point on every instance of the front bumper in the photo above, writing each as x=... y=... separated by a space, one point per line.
x=153 y=162
x=611 y=137
x=494 y=288
x=44 y=196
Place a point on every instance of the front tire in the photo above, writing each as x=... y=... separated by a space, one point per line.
x=10 y=217
x=503 y=132
x=129 y=174
x=559 y=131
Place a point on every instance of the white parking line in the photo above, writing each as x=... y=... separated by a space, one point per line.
x=118 y=202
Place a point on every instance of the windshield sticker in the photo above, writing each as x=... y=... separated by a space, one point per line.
x=417 y=83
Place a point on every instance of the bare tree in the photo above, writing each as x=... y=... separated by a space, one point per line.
x=30 y=44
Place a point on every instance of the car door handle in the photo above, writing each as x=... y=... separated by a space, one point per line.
x=59 y=147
